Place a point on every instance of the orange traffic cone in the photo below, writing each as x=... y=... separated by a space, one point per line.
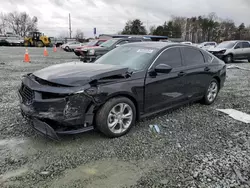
x=54 y=50
x=45 y=52
x=26 y=56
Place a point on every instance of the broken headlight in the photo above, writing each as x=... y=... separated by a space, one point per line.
x=91 y=91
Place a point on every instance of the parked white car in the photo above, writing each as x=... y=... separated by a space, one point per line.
x=187 y=42
x=207 y=45
x=70 y=46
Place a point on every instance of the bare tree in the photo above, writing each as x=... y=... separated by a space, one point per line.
x=3 y=23
x=79 y=34
x=21 y=23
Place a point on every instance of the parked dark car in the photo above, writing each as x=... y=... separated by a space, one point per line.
x=125 y=85
x=229 y=51
x=91 y=54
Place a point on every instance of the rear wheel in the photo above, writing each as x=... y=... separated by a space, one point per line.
x=116 y=117
x=26 y=44
x=211 y=92
x=228 y=59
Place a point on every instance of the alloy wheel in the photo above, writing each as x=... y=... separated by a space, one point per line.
x=120 y=118
x=212 y=91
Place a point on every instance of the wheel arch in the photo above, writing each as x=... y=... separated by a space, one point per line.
x=217 y=78
x=127 y=95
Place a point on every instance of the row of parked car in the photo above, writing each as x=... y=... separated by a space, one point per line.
x=228 y=51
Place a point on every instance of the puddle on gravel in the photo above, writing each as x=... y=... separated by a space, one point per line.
x=11 y=142
x=15 y=173
x=106 y=174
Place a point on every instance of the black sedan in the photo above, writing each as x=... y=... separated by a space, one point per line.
x=128 y=83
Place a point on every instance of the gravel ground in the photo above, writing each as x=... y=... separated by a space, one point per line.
x=197 y=146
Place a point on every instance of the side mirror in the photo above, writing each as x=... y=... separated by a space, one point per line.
x=236 y=47
x=117 y=45
x=163 y=68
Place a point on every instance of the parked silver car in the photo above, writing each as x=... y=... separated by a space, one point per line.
x=232 y=50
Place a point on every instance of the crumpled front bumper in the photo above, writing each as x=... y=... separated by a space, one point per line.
x=54 y=117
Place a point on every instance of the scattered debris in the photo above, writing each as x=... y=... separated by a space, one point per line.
x=236 y=67
x=45 y=173
x=237 y=115
x=154 y=128
x=178 y=145
x=238 y=174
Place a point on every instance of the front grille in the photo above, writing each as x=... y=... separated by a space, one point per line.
x=27 y=94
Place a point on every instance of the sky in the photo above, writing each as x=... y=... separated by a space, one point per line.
x=110 y=16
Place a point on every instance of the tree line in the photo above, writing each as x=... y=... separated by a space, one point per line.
x=19 y=23
x=195 y=29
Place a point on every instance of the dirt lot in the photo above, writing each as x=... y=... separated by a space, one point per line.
x=197 y=146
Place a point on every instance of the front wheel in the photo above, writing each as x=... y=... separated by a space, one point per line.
x=211 y=92
x=116 y=117
x=228 y=59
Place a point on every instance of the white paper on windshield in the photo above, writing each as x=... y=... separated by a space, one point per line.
x=145 y=51
x=237 y=115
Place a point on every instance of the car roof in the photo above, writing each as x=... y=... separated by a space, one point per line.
x=157 y=45
x=236 y=41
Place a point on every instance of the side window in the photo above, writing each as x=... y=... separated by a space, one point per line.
x=171 y=57
x=123 y=42
x=134 y=41
x=239 y=45
x=192 y=56
x=245 y=44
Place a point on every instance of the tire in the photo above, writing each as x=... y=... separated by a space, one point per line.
x=211 y=92
x=248 y=60
x=39 y=44
x=109 y=113
x=26 y=44
x=228 y=59
x=67 y=49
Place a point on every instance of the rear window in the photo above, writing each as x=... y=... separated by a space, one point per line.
x=208 y=58
x=192 y=56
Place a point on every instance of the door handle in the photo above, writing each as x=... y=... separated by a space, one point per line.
x=181 y=73
x=206 y=69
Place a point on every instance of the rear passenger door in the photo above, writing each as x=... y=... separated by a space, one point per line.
x=246 y=50
x=198 y=72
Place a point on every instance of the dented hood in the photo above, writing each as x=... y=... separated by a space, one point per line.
x=78 y=73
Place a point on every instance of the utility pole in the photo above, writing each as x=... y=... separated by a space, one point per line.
x=70 y=27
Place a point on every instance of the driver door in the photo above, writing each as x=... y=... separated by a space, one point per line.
x=165 y=89
x=238 y=51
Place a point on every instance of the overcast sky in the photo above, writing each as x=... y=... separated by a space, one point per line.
x=110 y=16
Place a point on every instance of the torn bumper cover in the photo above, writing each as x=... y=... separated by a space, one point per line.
x=53 y=117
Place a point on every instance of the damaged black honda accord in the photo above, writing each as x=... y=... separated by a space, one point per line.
x=130 y=82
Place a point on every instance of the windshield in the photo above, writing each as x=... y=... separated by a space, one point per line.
x=227 y=44
x=109 y=43
x=134 y=57
x=92 y=43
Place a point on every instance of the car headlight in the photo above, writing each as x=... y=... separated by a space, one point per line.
x=90 y=91
x=91 y=52
x=223 y=51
